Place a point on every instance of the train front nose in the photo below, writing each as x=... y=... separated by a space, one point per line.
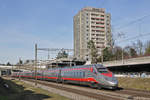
x=113 y=83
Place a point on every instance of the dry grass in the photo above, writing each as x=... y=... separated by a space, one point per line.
x=21 y=91
x=135 y=83
x=50 y=96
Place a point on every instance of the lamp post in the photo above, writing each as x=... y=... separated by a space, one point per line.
x=122 y=56
x=19 y=71
x=35 y=64
x=19 y=67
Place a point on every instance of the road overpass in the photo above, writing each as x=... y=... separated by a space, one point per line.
x=126 y=62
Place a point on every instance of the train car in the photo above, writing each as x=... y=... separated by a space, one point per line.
x=92 y=75
x=96 y=76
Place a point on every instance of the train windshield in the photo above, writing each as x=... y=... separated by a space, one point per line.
x=102 y=70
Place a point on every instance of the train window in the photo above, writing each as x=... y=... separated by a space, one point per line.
x=67 y=74
x=74 y=74
x=71 y=74
x=64 y=74
x=79 y=74
x=83 y=74
x=102 y=70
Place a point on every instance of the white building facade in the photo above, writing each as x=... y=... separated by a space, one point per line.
x=91 y=24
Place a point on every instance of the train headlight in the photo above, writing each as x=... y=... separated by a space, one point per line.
x=113 y=83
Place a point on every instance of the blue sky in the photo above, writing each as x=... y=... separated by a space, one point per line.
x=49 y=23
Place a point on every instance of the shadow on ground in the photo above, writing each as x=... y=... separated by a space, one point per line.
x=9 y=90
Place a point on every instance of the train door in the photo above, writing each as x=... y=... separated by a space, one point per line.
x=42 y=74
x=59 y=76
x=94 y=73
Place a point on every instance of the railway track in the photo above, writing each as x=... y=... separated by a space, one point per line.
x=135 y=93
x=122 y=94
x=89 y=94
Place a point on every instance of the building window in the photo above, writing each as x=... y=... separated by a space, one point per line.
x=93 y=30
x=92 y=22
x=93 y=26
x=99 y=42
x=102 y=15
x=92 y=18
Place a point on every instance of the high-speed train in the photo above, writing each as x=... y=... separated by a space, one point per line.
x=96 y=75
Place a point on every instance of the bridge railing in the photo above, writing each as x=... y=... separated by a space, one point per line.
x=133 y=74
x=139 y=60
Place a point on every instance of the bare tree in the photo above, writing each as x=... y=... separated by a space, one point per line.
x=127 y=52
x=8 y=64
x=133 y=52
x=140 y=47
x=117 y=52
x=147 y=48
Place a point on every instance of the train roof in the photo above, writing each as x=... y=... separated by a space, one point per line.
x=100 y=65
x=81 y=66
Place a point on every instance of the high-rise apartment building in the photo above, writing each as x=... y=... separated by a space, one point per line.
x=91 y=24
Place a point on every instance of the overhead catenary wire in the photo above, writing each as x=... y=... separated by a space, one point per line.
x=133 y=22
x=133 y=38
x=129 y=24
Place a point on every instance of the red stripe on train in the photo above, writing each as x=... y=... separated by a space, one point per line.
x=81 y=79
x=73 y=79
